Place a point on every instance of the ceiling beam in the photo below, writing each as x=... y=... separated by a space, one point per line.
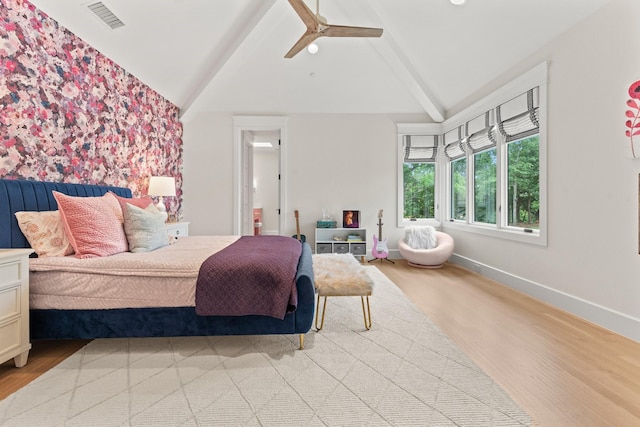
x=226 y=48
x=397 y=61
x=394 y=57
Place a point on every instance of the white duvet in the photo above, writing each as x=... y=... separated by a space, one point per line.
x=165 y=277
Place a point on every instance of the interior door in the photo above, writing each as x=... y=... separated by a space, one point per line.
x=247 y=131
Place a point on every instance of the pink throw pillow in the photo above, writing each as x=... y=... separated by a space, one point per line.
x=141 y=202
x=45 y=233
x=93 y=224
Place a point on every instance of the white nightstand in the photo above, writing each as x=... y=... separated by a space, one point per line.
x=14 y=305
x=178 y=229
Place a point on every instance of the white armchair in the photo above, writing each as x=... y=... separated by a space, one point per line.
x=431 y=257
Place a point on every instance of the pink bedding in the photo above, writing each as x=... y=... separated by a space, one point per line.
x=165 y=277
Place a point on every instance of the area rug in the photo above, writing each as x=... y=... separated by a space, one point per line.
x=402 y=372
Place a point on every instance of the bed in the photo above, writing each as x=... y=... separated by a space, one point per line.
x=179 y=319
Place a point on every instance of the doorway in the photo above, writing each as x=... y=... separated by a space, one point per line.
x=266 y=189
x=259 y=174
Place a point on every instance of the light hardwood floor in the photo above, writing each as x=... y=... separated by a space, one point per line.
x=43 y=356
x=562 y=370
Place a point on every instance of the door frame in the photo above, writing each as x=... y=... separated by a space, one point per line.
x=243 y=162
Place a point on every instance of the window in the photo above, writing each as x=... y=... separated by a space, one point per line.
x=484 y=187
x=523 y=183
x=518 y=122
x=419 y=190
x=455 y=152
x=481 y=142
x=516 y=186
x=494 y=183
x=417 y=183
x=486 y=165
x=459 y=189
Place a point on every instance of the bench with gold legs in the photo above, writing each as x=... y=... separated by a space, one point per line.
x=366 y=312
x=341 y=275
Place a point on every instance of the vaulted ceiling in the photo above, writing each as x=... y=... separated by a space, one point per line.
x=228 y=55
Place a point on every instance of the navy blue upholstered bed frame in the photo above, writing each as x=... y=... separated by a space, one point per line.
x=19 y=195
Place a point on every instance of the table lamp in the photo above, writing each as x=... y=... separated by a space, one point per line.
x=162 y=186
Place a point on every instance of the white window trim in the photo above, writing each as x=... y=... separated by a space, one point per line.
x=418 y=129
x=537 y=76
x=447 y=199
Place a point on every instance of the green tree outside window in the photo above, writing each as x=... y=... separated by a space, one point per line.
x=419 y=190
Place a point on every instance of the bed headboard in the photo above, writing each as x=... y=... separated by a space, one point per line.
x=19 y=195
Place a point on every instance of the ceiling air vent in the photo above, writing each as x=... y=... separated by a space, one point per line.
x=103 y=12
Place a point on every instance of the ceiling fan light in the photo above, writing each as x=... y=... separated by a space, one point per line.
x=312 y=48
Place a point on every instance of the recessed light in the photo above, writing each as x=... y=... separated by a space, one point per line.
x=262 y=145
x=458 y=2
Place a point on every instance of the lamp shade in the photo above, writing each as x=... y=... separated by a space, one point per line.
x=162 y=186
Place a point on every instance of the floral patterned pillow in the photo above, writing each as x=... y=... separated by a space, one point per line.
x=45 y=233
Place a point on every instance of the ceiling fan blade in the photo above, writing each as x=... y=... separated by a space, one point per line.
x=308 y=17
x=346 y=31
x=303 y=42
x=318 y=27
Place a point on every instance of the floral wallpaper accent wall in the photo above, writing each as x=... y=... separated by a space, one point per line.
x=69 y=114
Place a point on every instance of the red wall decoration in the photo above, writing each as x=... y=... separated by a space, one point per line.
x=633 y=118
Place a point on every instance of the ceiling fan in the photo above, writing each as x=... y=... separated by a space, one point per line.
x=317 y=27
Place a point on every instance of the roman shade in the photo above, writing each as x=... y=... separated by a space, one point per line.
x=518 y=118
x=420 y=148
x=480 y=132
x=453 y=146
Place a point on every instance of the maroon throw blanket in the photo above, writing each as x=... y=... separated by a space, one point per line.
x=254 y=275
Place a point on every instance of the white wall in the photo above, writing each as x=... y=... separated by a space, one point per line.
x=335 y=161
x=208 y=174
x=591 y=265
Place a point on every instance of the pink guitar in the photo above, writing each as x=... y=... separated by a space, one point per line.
x=380 y=249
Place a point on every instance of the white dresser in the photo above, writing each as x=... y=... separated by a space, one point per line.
x=177 y=229
x=14 y=305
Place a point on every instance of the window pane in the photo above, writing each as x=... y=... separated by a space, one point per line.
x=459 y=189
x=419 y=190
x=484 y=186
x=523 y=183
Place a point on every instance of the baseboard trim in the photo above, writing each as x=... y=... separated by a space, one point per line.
x=614 y=321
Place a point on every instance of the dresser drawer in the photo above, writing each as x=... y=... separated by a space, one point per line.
x=14 y=305
x=10 y=336
x=9 y=273
x=177 y=229
x=9 y=303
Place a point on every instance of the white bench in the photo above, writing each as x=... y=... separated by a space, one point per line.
x=341 y=275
